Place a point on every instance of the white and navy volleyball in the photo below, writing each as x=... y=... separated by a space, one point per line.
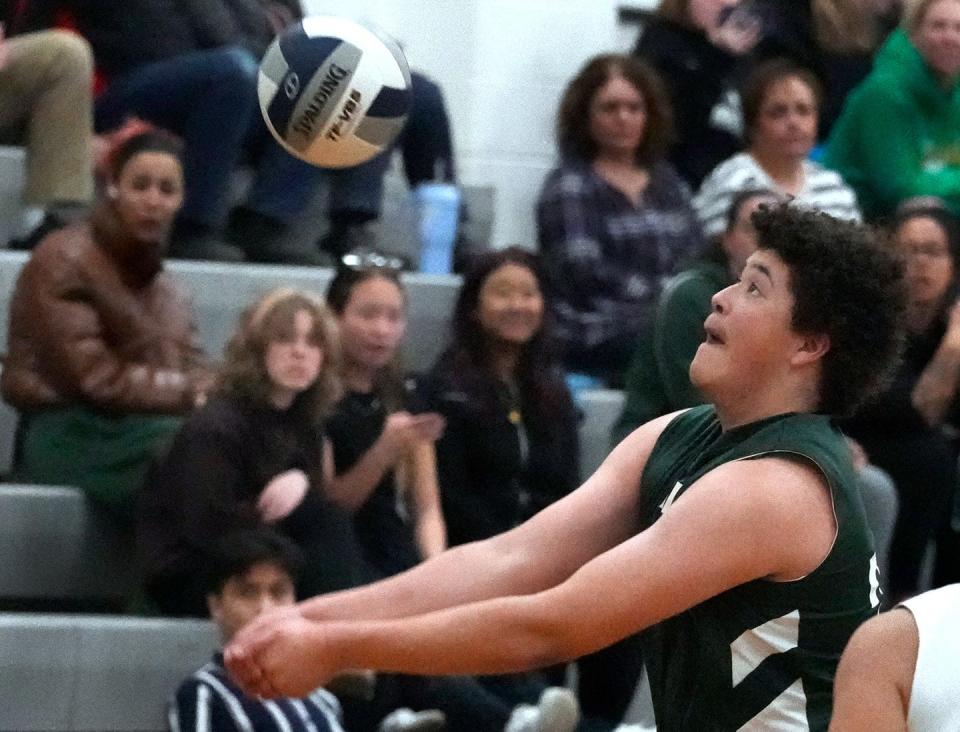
x=334 y=92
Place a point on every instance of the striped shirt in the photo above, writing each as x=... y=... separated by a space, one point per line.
x=823 y=190
x=209 y=701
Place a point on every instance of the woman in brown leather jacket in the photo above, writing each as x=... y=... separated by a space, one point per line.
x=102 y=353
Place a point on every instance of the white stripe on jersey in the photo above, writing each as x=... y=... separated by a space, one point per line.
x=754 y=646
x=240 y=717
x=203 y=709
x=788 y=712
x=278 y=716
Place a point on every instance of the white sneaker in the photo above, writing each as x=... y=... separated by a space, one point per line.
x=557 y=711
x=407 y=720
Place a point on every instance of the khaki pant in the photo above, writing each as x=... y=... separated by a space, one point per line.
x=46 y=105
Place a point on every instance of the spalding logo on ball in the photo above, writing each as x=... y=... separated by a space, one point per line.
x=333 y=92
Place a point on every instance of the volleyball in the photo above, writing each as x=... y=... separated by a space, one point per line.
x=334 y=92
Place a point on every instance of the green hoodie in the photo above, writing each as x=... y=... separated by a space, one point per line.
x=899 y=133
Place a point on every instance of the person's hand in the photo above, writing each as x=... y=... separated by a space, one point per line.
x=738 y=34
x=952 y=335
x=289 y=656
x=402 y=430
x=281 y=495
x=4 y=47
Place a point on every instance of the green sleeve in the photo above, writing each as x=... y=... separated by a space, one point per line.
x=678 y=334
x=889 y=136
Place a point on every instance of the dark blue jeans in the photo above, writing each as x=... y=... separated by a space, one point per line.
x=209 y=98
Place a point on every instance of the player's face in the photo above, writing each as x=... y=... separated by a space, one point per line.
x=294 y=359
x=510 y=305
x=929 y=264
x=373 y=323
x=938 y=37
x=618 y=117
x=261 y=588
x=148 y=194
x=749 y=338
x=786 y=124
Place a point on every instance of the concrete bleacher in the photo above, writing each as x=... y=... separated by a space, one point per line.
x=82 y=672
x=220 y=292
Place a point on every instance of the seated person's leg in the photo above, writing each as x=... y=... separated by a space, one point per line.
x=356 y=198
x=209 y=98
x=45 y=91
x=281 y=190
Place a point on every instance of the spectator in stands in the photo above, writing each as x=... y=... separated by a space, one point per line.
x=614 y=219
x=383 y=456
x=253 y=455
x=192 y=68
x=781 y=104
x=248 y=573
x=902 y=430
x=659 y=380
x=898 y=134
x=101 y=348
x=510 y=444
x=699 y=47
x=846 y=34
x=45 y=104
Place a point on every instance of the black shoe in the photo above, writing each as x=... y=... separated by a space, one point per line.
x=264 y=239
x=344 y=238
x=203 y=247
x=51 y=223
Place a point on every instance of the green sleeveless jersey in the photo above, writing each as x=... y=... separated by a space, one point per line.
x=761 y=656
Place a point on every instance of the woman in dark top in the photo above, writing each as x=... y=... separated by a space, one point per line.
x=903 y=431
x=383 y=456
x=510 y=446
x=253 y=454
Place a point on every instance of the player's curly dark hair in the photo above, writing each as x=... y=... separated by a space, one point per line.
x=847 y=283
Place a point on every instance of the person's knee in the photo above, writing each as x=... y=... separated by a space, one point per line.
x=236 y=65
x=71 y=52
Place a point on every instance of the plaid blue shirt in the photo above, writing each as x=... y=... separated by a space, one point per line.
x=608 y=258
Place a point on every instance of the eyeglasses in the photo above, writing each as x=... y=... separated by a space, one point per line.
x=372 y=260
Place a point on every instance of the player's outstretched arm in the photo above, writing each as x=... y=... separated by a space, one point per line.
x=685 y=558
x=872 y=688
x=535 y=556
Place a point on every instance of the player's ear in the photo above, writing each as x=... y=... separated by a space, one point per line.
x=811 y=347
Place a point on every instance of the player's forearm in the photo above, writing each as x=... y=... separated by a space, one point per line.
x=503 y=635
x=464 y=574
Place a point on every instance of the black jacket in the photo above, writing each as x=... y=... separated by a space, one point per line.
x=486 y=485
x=697 y=76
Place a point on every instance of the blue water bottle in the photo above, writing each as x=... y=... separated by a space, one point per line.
x=438 y=213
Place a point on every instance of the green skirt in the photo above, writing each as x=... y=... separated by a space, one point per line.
x=106 y=456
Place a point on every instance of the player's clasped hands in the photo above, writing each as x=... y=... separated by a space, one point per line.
x=280 y=654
